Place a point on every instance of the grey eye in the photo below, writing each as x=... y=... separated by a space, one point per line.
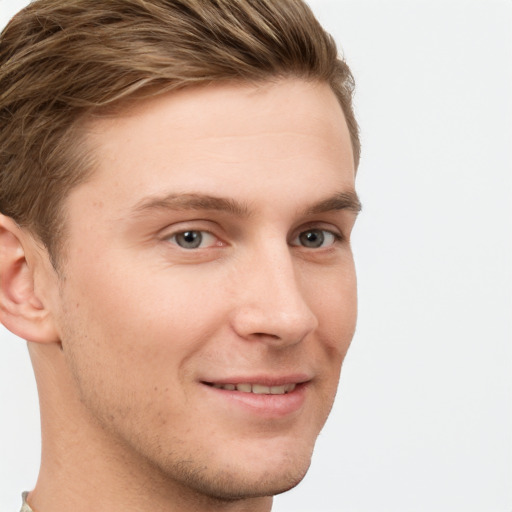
x=316 y=239
x=189 y=239
x=313 y=238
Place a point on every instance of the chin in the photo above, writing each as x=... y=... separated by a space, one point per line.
x=241 y=477
x=228 y=486
x=264 y=468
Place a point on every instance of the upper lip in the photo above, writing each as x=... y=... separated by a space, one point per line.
x=265 y=380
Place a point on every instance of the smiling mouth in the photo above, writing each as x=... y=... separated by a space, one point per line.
x=257 y=389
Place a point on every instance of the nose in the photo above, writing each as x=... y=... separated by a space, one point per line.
x=271 y=304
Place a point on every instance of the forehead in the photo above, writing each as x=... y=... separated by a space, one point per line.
x=205 y=138
x=222 y=111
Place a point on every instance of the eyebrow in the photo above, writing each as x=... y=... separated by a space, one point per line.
x=192 y=202
x=340 y=201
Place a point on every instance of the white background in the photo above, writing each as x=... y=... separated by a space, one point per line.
x=423 y=420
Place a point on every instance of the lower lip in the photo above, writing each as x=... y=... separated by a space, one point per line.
x=269 y=406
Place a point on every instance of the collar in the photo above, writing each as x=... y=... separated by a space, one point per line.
x=25 y=507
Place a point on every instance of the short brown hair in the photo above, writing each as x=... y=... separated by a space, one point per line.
x=62 y=60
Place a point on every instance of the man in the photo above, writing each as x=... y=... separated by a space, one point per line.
x=177 y=197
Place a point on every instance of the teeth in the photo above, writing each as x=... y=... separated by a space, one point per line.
x=258 y=389
x=289 y=388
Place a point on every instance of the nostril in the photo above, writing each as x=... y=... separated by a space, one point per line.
x=265 y=335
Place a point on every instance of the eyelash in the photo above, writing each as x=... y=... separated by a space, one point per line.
x=196 y=241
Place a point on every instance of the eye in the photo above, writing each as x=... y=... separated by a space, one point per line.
x=316 y=238
x=193 y=239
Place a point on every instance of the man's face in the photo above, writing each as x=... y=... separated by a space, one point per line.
x=208 y=295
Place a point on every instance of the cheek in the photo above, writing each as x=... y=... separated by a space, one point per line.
x=135 y=330
x=139 y=305
x=337 y=315
x=129 y=347
x=335 y=305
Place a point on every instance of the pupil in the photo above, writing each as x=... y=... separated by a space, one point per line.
x=189 y=239
x=313 y=238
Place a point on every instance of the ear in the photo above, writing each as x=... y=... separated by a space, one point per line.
x=21 y=311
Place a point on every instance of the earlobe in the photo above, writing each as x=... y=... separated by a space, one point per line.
x=21 y=311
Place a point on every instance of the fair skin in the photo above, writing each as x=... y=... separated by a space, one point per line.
x=188 y=351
